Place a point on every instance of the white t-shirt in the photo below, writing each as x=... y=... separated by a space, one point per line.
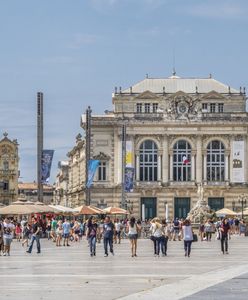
x=8 y=229
x=118 y=226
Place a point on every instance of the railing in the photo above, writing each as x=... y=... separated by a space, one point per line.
x=7 y=172
x=148 y=116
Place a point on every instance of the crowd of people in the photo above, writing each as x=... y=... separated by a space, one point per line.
x=63 y=232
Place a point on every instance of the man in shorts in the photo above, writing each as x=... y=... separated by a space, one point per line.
x=66 y=232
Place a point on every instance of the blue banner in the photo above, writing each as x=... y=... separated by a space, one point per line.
x=129 y=179
x=92 y=167
x=46 y=164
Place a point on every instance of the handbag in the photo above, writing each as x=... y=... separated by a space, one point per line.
x=195 y=238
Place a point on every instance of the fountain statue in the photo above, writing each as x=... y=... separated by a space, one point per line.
x=201 y=211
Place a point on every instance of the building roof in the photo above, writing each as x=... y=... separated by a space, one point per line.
x=174 y=84
x=32 y=186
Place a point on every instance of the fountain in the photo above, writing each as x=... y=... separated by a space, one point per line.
x=201 y=211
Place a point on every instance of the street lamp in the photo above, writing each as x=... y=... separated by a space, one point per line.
x=233 y=205
x=242 y=200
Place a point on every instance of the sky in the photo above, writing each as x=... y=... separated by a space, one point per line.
x=77 y=51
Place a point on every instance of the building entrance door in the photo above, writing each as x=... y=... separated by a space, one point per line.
x=148 y=208
x=181 y=207
x=216 y=203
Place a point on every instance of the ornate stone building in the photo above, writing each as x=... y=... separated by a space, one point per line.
x=76 y=173
x=61 y=184
x=181 y=132
x=8 y=170
x=28 y=191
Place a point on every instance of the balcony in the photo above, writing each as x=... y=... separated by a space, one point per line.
x=7 y=193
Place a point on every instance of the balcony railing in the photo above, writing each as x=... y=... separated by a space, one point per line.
x=8 y=172
x=10 y=192
x=148 y=116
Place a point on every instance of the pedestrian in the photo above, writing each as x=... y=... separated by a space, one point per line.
x=118 y=229
x=18 y=232
x=53 y=229
x=26 y=234
x=48 y=229
x=1 y=237
x=176 y=229
x=224 y=231
x=36 y=229
x=8 y=233
x=133 y=230
x=157 y=233
x=187 y=237
x=165 y=238
x=91 y=234
x=108 y=233
x=208 y=230
x=66 y=232
x=59 y=233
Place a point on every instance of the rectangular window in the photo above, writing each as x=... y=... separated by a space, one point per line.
x=220 y=107
x=154 y=107
x=205 y=107
x=139 y=108
x=147 y=108
x=102 y=174
x=212 y=107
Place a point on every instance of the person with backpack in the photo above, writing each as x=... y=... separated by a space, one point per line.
x=176 y=229
x=157 y=232
x=133 y=230
x=26 y=234
x=108 y=233
x=224 y=232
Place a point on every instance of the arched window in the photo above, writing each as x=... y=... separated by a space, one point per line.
x=182 y=161
x=215 y=161
x=148 y=153
x=5 y=165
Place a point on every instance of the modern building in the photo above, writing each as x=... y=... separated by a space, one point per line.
x=28 y=191
x=180 y=132
x=9 y=172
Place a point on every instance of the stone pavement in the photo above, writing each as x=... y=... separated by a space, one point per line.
x=70 y=273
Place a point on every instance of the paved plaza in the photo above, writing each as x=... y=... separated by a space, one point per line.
x=70 y=273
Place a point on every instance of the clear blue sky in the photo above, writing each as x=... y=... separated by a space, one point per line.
x=77 y=51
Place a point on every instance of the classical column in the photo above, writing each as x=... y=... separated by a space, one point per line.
x=205 y=166
x=226 y=165
x=159 y=166
x=137 y=167
x=199 y=159
x=171 y=165
x=193 y=166
x=165 y=160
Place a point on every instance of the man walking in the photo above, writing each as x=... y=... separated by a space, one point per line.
x=108 y=233
x=66 y=232
x=36 y=229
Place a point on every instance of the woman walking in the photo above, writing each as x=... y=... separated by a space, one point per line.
x=224 y=231
x=91 y=234
x=187 y=237
x=26 y=234
x=157 y=234
x=59 y=233
x=133 y=229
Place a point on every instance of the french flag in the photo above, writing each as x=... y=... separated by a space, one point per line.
x=185 y=160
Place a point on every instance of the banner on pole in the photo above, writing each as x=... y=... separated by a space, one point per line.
x=46 y=164
x=129 y=154
x=92 y=167
x=129 y=179
x=238 y=161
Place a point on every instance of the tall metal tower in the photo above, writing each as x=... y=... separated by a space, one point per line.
x=39 y=144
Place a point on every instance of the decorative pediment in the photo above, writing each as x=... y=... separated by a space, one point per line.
x=147 y=95
x=213 y=95
x=101 y=156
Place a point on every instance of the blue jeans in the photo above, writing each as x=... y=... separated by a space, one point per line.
x=187 y=247
x=158 y=244
x=108 y=241
x=37 y=239
x=92 y=242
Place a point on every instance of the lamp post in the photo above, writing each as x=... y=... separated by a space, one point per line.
x=123 y=192
x=88 y=152
x=233 y=205
x=242 y=200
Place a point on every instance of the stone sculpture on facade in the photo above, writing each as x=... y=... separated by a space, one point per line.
x=201 y=211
